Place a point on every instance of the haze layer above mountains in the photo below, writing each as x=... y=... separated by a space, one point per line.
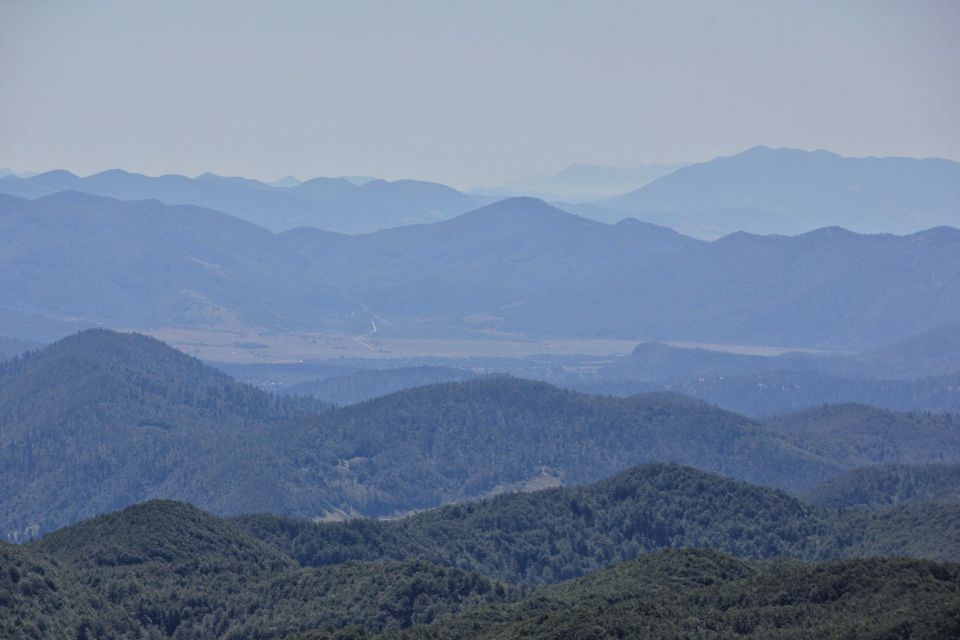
x=761 y=190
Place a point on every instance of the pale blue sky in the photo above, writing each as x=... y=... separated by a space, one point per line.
x=467 y=92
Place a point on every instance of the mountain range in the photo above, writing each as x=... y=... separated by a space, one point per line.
x=789 y=191
x=760 y=190
x=932 y=352
x=917 y=373
x=101 y=420
x=335 y=204
x=510 y=268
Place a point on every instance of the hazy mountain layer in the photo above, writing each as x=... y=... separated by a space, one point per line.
x=790 y=191
x=364 y=385
x=514 y=267
x=335 y=204
x=586 y=181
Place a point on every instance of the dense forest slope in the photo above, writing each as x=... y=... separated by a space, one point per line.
x=164 y=569
x=930 y=531
x=452 y=441
x=885 y=485
x=857 y=435
x=703 y=594
x=102 y=420
x=561 y=533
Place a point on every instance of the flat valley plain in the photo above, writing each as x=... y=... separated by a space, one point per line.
x=244 y=345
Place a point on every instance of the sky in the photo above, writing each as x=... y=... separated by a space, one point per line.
x=467 y=93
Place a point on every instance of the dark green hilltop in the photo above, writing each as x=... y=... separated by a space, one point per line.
x=660 y=549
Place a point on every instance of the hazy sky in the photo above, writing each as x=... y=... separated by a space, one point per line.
x=467 y=92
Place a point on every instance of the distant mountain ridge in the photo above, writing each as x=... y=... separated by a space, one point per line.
x=335 y=204
x=918 y=372
x=760 y=190
x=508 y=268
x=584 y=182
x=790 y=191
x=364 y=385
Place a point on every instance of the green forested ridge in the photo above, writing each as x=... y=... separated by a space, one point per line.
x=102 y=420
x=165 y=569
x=561 y=533
x=159 y=531
x=855 y=435
x=889 y=485
x=37 y=600
x=693 y=594
x=930 y=531
x=449 y=442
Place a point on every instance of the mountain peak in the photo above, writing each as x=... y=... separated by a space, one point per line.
x=286 y=181
x=762 y=151
x=113 y=173
x=520 y=209
x=73 y=197
x=159 y=531
x=55 y=174
x=129 y=352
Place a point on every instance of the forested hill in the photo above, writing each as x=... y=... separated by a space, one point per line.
x=702 y=594
x=97 y=366
x=102 y=420
x=855 y=435
x=561 y=533
x=449 y=442
x=166 y=569
x=885 y=485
